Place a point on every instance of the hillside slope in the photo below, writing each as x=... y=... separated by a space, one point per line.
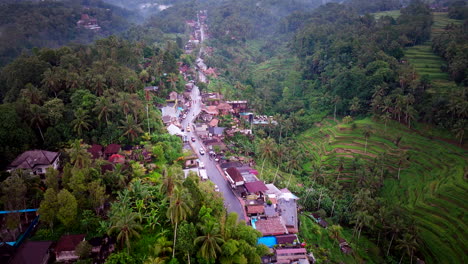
x=433 y=178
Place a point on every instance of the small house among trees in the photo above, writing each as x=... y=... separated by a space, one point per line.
x=88 y=22
x=65 y=249
x=37 y=161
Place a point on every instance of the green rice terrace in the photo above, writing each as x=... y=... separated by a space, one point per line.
x=391 y=13
x=313 y=234
x=433 y=179
x=425 y=61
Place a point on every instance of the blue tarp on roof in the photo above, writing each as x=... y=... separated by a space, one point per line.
x=18 y=211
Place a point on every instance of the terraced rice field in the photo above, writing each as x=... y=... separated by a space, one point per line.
x=425 y=61
x=392 y=13
x=433 y=183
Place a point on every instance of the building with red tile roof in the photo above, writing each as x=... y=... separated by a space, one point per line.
x=271 y=227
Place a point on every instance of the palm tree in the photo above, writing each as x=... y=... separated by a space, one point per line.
x=124 y=102
x=73 y=81
x=179 y=210
x=335 y=100
x=98 y=84
x=395 y=224
x=32 y=94
x=401 y=156
x=171 y=179
x=131 y=128
x=408 y=243
x=81 y=121
x=79 y=156
x=355 y=105
x=161 y=251
x=210 y=241
x=229 y=226
x=459 y=130
x=335 y=231
x=37 y=118
x=266 y=147
x=386 y=117
x=367 y=133
x=173 y=80
x=52 y=81
x=125 y=224
x=104 y=108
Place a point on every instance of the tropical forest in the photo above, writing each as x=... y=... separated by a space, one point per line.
x=249 y=131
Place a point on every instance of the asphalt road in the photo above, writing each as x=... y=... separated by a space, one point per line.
x=231 y=202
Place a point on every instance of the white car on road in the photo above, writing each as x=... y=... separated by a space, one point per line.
x=202 y=151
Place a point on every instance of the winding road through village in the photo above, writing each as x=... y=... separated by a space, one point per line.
x=215 y=173
x=231 y=201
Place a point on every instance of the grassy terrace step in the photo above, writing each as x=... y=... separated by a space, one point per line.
x=432 y=185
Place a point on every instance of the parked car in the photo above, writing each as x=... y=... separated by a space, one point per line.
x=202 y=151
x=201 y=165
x=216 y=188
x=193 y=139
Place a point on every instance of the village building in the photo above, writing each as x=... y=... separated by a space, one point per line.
x=88 y=22
x=288 y=255
x=234 y=177
x=36 y=161
x=96 y=151
x=211 y=98
x=211 y=110
x=32 y=252
x=201 y=130
x=224 y=109
x=174 y=130
x=214 y=122
x=117 y=159
x=238 y=106
x=112 y=149
x=216 y=131
x=65 y=248
x=271 y=226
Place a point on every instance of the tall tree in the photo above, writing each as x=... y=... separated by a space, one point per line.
x=52 y=180
x=124 y=223
x=37 y=118
x=49 y=207
x=81 y=121
x=367 y=132
x=79 y=155
x=210 y=240
x=179 y=210
x=131 y=128
x=68 y=208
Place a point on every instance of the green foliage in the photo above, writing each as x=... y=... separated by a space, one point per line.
x=83 y=249
x=49 y=207
x=120 y=257
x=68 y=208
x=52 y=24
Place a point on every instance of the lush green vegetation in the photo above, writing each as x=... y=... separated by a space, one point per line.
x=25 y=25
x=428 y=182
x=65 y=99
x=379 y=178
x=392 y=13
x=431 y=66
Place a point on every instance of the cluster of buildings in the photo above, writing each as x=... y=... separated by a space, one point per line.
x=88 y=22
x=271 y=211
